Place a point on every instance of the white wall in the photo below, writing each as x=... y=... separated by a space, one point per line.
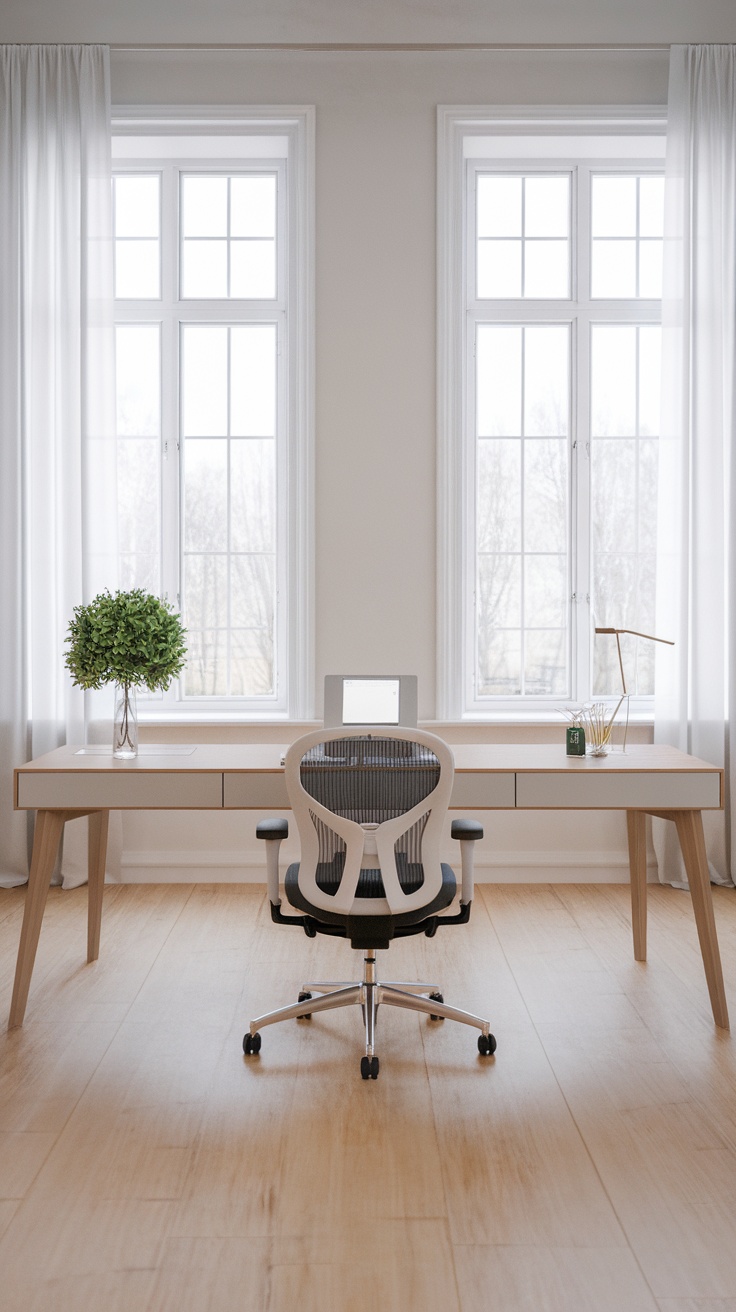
x=375 y=283
x=375 y=331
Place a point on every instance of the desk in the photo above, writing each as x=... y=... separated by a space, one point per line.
x=646 y=780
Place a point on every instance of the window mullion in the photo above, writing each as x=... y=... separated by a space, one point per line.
x=581 y=511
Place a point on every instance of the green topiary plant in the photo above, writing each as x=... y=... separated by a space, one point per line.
x=131 y=638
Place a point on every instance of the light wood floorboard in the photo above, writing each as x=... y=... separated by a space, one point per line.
x=146 y=1166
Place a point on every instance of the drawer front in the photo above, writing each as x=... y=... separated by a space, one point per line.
x=636 y=791
x=481 y=792
x=255 y=792
x=120 y=791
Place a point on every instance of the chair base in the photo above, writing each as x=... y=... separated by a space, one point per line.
x=369 y=993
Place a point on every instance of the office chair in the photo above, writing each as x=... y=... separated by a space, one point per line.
x=369 y=806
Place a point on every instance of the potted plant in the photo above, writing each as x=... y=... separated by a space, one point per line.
x=132 y=639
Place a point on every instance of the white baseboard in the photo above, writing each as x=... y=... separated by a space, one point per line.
x=218 y=867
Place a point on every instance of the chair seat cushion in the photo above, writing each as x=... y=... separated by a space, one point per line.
x=370 y=886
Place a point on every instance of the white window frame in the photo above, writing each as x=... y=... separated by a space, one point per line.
x=294 y=637
x=455 y=506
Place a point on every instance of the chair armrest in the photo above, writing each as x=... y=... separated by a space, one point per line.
x=273 y=832
x=269 y=829
x=467 y=832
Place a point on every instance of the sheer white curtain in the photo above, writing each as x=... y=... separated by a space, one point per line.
x=56 y=399
x=696 y=581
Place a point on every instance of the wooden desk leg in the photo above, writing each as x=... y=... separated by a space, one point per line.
x=97 y=852
x=692 y=842
x=49 y=827
x=636 y=822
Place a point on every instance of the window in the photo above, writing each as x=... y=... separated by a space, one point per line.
x=212 y=405
x=551 y=415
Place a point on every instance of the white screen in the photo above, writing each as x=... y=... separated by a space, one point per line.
x=370 y=701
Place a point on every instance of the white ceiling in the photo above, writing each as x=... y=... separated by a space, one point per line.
x=369 y=21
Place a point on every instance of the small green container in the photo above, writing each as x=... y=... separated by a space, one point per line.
x=575 y=741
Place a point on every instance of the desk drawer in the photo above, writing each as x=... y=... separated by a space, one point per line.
x=483 y=791
x=255 y=792
x=658 y=790
x=118 y=790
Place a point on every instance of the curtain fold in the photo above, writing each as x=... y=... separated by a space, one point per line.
x=57 y=422
x=696 y=579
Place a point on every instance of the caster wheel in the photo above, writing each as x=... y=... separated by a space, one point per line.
x=369 y=1068
x=486 y=1045
x=251 y=1044
x=304 y=997
x=436 y=997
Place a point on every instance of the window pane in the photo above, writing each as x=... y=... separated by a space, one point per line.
x=625 y=592
x=498 y=367
x=499 y=207
x=205 y=591
x=499 y=591
x=615 y=591
x=499 y=661
x=204 y=380
x=613 y=496
x=498 y=508
x=253 y=207
x=252 y=592
x=650 y=343
x=205 y=673
x=545 y=494
x=139 y=510
x=204 y=207
x=138 y=380
x=253 y=269
x=545 y=269
x=650 y=269
x=651 y=206
x=632 y=209
x=253 y=380
x=137 y=206
x=229 y=230
x=499 y=269
x=647 y=518
x=253 y=495
x=614 y=207
x=204 y=269
x=205 y=495
x=545 y=663
x=546 y=388
x=545 y=591
x=613 y=385
x=252 y=662
x=613 y=269
x=546 y=207
x=137 y=270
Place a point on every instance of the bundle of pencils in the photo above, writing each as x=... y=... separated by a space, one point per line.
x=597 y=720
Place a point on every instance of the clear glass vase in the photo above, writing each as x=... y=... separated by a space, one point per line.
x=125 y=722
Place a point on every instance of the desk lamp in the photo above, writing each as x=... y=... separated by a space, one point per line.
x=635 y=634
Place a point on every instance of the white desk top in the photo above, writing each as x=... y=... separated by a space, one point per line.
x=266 y=757
x=487 y=776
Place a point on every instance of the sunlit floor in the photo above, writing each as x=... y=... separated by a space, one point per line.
x=146 y=1164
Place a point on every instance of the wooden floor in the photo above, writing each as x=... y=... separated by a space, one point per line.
x=146 y=1164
